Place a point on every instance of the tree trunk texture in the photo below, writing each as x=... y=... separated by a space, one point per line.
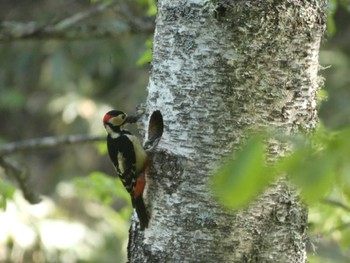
x=221 y=68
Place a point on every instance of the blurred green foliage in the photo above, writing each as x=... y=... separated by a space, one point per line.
x=333 y=6
x=68 y=228
x=315 y=165
x=11 y=99
x=102 y=188
x=7 y=191
x=150 y=6
x=318 y=166
x=241 y=178
x=58 y=87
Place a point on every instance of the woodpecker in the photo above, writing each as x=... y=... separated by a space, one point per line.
x=129 y=159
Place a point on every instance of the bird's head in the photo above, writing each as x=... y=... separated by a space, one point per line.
x=113 y=120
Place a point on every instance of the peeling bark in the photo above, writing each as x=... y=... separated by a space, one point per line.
x=221 y=68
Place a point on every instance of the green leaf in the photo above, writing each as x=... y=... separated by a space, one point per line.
x=150 y=6
x=147 y=55
x=7 y=191
x=240 y=180
x=312 y=173
x=317 y=179
x=322 y=96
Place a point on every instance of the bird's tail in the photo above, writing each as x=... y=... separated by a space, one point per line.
x=141 y=211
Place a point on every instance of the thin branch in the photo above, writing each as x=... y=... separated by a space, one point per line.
x=74 y=19
x=136 y=23
x=20 y=174
x=21 y=177
x=47 y=142
x=68 y=29
x=336 y=203
x=339 y=204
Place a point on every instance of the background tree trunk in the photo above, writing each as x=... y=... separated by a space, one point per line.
x=221 y=68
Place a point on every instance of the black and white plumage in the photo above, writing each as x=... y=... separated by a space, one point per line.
x=129 y=159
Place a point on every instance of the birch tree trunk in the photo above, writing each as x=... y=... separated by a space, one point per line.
x=221 y=68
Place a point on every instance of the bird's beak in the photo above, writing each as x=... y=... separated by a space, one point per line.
x=130 y=119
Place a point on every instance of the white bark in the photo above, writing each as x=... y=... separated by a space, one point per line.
x=221 y=68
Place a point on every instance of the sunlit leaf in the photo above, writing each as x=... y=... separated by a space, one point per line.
x=241 y=179
x=150 y=5
x=322 y=96
x=147 y=55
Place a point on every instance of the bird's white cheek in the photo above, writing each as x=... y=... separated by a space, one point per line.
x=112 y=133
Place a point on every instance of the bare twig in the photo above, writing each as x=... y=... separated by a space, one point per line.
x=74 y=19
x=20 y=174
x=47 y=142
x=68 y=29
x=11 y=30
x=336 y=203
x=21 y=177
x=136 y=23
